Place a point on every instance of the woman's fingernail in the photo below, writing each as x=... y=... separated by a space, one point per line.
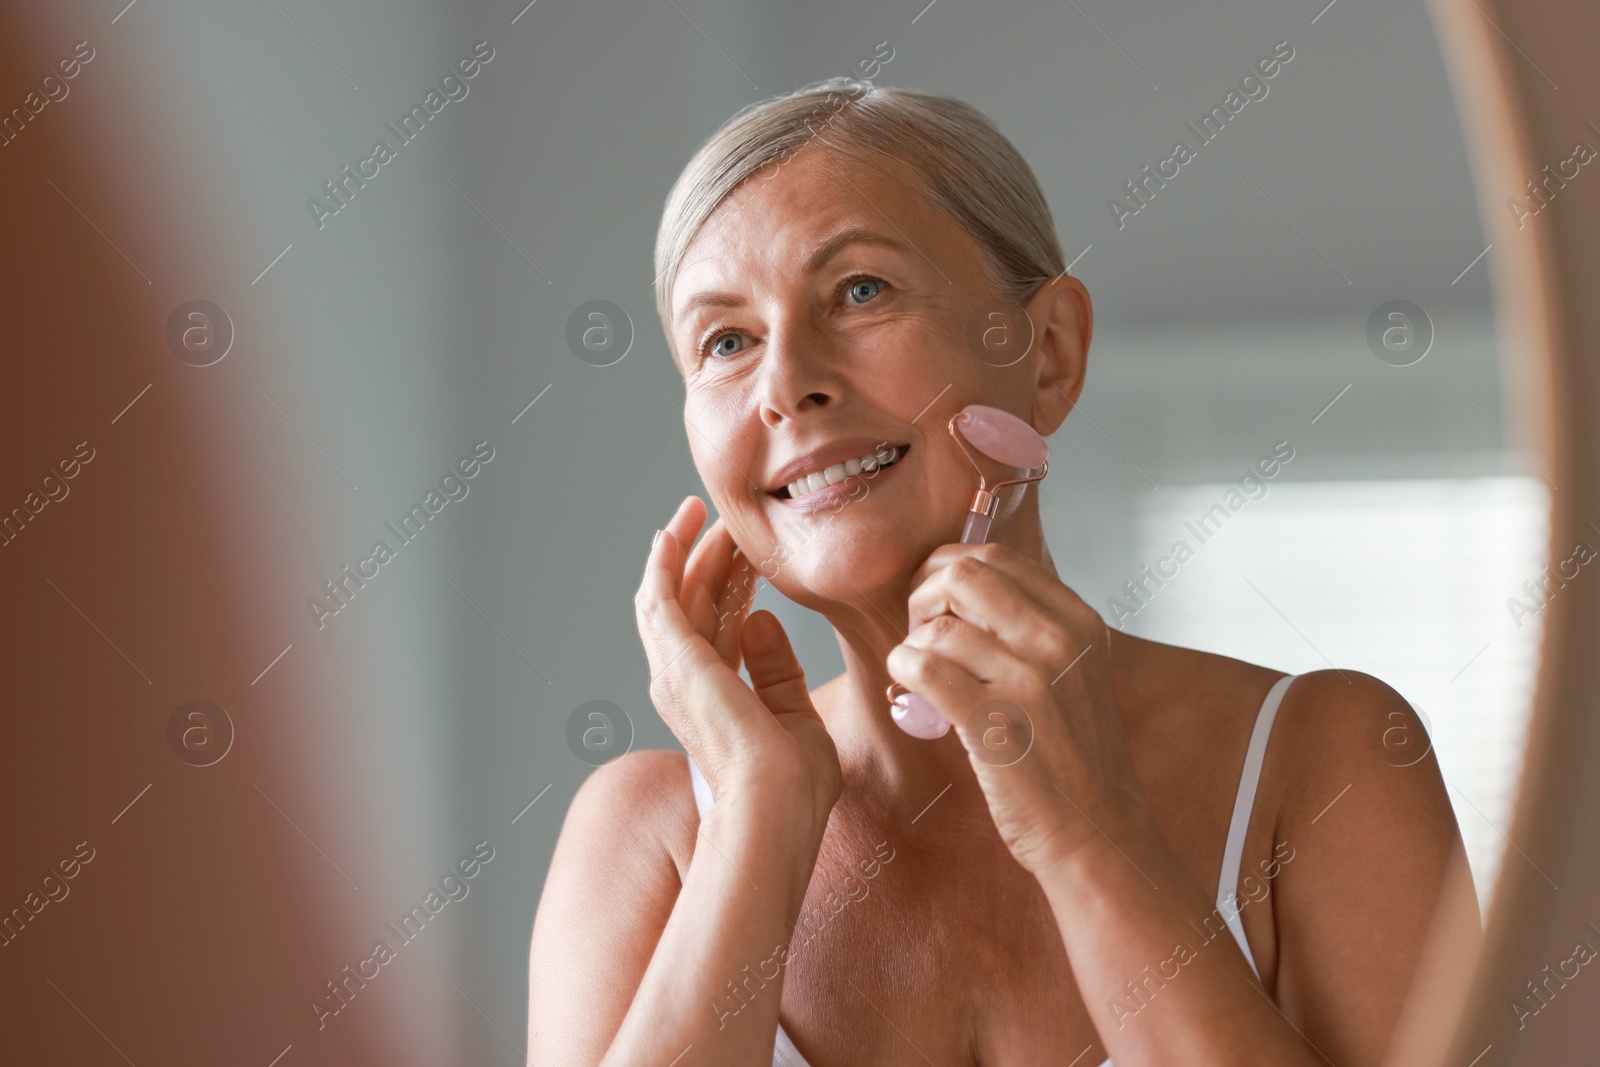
x=655 y=540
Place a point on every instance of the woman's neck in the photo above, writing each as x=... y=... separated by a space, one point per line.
x=855 y=705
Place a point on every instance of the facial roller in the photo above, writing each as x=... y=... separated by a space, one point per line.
x=1008 y=441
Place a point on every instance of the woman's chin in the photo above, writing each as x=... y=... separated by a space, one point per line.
x=829 y=569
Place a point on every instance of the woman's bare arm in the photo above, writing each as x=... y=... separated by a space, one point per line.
x=1361 y=850
x=1353 y=917
x=627 y=966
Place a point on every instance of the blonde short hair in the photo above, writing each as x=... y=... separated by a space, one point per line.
x=969 y=169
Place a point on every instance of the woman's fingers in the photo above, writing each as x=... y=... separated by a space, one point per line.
x=775 y=672
x=664 y=626
x=729 y=727
x=1041 y=620
x=687 y=672
x=978 y=653
x=738 y=593
x=705 y=575
x=685 y=525
x=712 y=557
x=1030 y=575
x=718 y=586
x=664 y=629
x=941 y=681
x=780 y=684
x=700 y=699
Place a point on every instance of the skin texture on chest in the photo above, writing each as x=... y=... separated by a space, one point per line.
x=941 y=945
x=948 y=953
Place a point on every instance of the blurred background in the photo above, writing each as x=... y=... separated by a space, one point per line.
x=272 y=761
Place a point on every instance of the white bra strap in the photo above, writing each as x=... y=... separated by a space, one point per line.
x=1244 y=802
x=784 y=1054
x=702 y=788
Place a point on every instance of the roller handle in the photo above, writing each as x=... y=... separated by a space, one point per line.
x=976 y=531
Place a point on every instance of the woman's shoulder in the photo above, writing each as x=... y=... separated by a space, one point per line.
x=639 y=805
x=1175 y=689
x=1328 y=722
x=1333 y=728
x=1331 y=699
x=1344 y=728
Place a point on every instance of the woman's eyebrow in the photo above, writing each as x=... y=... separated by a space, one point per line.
x=818 y=258
x=855 y=235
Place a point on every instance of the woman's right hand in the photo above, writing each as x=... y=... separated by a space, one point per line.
x=763 y=740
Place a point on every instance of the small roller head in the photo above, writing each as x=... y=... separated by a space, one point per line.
x=917 y=717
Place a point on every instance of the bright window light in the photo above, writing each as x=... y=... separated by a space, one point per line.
x=1406 y=580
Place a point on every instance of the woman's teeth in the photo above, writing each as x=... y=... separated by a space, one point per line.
x=866 y=464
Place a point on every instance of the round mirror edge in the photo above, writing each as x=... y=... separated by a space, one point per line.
x=1460 y=988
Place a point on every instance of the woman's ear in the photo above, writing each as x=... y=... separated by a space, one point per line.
x=1064 y=321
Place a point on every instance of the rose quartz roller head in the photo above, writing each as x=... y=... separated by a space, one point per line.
x=1007 y=440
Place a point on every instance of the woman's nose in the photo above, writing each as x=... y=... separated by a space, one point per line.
x=798 y=375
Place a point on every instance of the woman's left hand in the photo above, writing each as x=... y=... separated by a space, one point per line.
x=1021 y=666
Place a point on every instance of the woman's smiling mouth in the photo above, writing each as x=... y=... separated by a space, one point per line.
x=813 y=479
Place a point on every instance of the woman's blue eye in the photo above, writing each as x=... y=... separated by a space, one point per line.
x=873 y=286
x=860 y=289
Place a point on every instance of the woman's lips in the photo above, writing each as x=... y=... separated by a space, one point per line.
x=848 y=488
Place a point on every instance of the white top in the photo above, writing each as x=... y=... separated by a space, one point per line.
x=784 y=1054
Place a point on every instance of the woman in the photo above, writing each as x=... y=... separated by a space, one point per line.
x=1035 y=886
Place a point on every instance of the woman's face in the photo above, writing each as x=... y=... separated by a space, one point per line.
x=822 y=316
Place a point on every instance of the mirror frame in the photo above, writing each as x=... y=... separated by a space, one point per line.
x=1514 y=122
